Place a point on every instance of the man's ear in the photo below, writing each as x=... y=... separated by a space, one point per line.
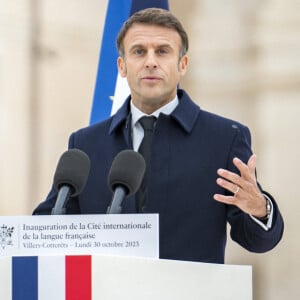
x=183 y=64
x=122 y=67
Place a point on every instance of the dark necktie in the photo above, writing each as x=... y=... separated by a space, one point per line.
x=145 y=149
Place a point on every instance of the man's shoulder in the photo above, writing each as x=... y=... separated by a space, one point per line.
x=220 y=125
x=218 y=119
x=195 y=115
x=108 y=125
x=96 y=128
x=203 y=114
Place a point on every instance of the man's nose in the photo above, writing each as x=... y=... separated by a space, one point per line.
x=151 y=62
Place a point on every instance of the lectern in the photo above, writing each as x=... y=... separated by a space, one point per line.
x=87 y=277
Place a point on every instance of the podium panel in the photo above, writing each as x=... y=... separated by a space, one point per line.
x=86 y=277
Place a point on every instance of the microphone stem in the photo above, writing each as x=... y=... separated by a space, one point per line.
x=119 y=195
x=62 y=198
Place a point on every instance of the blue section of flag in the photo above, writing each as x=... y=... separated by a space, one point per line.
x=25 y=278
x=141 y=4
x=117 y=12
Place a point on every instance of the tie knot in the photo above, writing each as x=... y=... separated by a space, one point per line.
x=147 y=122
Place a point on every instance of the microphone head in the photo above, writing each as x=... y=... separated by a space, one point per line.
x=127 y=170
x=73 y=170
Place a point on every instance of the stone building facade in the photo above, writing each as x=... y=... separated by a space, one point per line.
x=245 y=64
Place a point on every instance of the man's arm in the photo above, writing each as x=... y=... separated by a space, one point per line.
x=247 y=204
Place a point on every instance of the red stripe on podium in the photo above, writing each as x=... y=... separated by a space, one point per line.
x=79 y=277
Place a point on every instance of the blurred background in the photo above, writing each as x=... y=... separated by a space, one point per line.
x=244 y=64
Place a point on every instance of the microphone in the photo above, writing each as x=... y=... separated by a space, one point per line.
x=125 y=177
x=70 y=177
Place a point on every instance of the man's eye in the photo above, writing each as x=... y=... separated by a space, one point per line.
x=162 y=51
x=139 y=51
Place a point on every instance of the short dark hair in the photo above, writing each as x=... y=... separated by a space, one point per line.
x=154 y=16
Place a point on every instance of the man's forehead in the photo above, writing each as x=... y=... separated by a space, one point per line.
x=145 y=33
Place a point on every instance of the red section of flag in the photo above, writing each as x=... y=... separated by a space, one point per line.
x=79 y=277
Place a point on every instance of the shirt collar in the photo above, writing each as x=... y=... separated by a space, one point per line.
x=167 y=109
x=186 y=113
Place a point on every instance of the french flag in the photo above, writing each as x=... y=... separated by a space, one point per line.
x=110 y=89
x=48 y=278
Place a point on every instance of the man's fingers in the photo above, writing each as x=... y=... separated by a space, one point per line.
x=247 y=170
x=225 y=199
x=233 y=177
x=252 y=163
x=230 y=180
x=231 y=187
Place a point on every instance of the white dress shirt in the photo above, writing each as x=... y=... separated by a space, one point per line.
x=137 y=131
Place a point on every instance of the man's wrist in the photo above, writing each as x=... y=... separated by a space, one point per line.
x=268 y=211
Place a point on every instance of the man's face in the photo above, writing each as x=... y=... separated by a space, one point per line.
x=151 y=64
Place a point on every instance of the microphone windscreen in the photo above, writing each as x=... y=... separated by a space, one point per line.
x=127 y=169
x=73 y=170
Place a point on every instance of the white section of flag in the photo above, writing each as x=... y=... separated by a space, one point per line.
x=122 y=91
x=51 y=277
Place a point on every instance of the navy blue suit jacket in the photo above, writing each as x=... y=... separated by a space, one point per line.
x=188 y=147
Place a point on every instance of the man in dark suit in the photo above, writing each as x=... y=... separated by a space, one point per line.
x=201 y=173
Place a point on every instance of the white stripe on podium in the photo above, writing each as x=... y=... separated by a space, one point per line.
x=5 y=278
x=51 y=277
